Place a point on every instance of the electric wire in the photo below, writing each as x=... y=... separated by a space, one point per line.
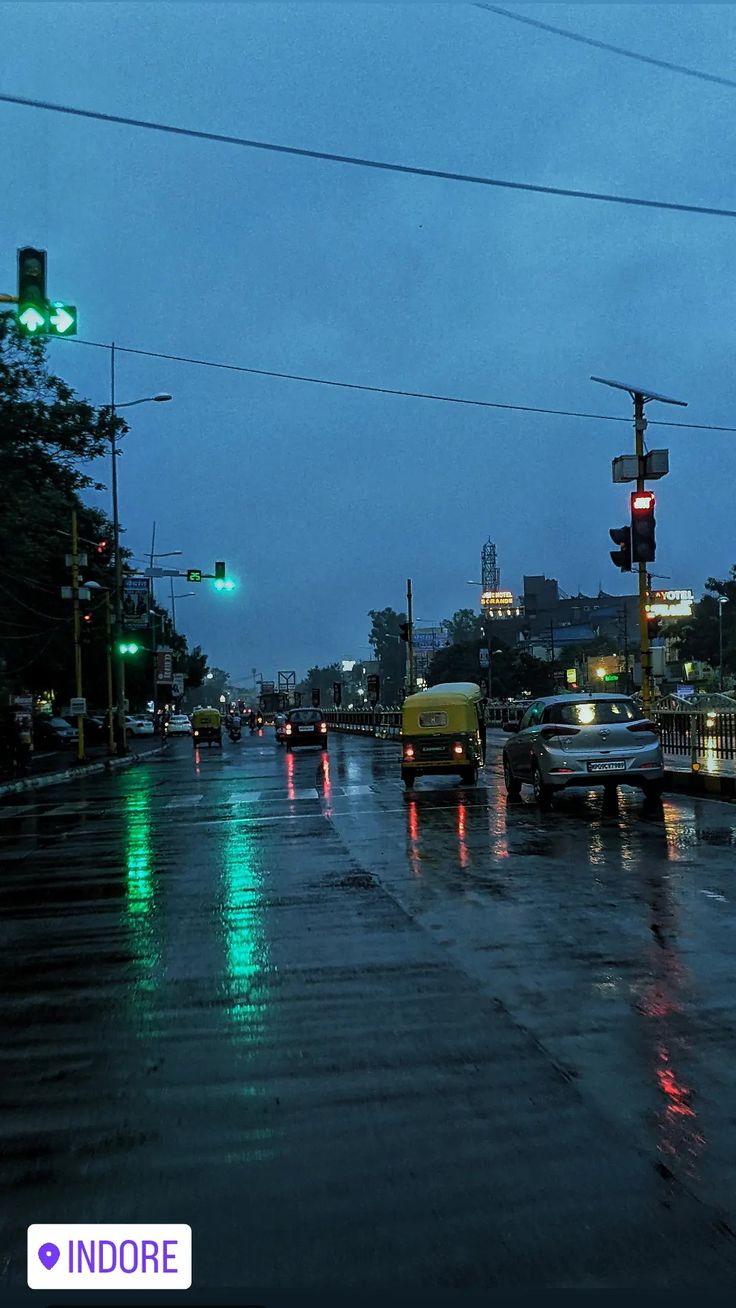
x=357 y=161
x=606 y=45
x=395 y=391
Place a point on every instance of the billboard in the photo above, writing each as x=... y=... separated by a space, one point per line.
x=135 y=602
x=670 y=604
x=430 y=638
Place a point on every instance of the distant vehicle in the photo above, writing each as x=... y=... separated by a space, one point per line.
x=271 y=703
x=178 y=725
x=305 y=726
x=53 y=733
x=139 y=726
x=279 y=724
x=94 y=728
x=582 y=740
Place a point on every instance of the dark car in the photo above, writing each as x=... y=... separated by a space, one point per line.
x=305 y=726
x=53 y=733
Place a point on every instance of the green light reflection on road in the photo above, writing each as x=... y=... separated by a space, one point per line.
x=247 y=956
x=139 y=885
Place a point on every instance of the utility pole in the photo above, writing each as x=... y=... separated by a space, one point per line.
x=121 y=737
x=77 y=643
x=110 y=701
x=640 y=426
x=552 y=643
x=626 y=647
x=410 y=642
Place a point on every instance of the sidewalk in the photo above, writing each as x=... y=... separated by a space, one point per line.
x=61 y=766
x=714 y=776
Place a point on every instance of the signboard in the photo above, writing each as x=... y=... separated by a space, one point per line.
x=373 y=689
x=430 y=638
x=177 y=685
x=571 y=676
x=77 y=707
x=22 y=702
x=685 y=691
x=267 y=687
x=503 y=599
x=484 y=658
x=654 y=465
x=670 y=604
x=164 y=672
x=135 y=602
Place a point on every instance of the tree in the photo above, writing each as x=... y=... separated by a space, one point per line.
x=514 y=672
x=390 y=651
x=699 y=638
x=465 y=625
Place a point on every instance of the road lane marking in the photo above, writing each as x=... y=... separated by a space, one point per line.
x=15 y=812
x=184 y=801
x=245 y=797
x=357 y=790
x=66 y=810
x=309 y=793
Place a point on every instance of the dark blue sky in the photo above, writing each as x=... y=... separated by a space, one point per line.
x=288 y=264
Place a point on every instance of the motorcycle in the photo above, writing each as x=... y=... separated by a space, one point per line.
x=234 y=733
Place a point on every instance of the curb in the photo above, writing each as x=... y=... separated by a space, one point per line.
x=71 y=774
x=701 y=783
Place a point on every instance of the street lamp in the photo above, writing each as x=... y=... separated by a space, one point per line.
x=161 y=397
x=722 y=599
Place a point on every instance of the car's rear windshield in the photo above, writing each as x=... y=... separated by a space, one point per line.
x=593 y=713
x=305 y=715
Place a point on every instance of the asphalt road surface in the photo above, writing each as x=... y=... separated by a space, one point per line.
x=358 y=1038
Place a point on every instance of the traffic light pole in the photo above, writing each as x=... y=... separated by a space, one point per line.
x=77 y=643
x=122 y=745
x=410 y=642
x=644 y=655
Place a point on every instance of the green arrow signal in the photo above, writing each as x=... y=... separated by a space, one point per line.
x=63 y=320
x=31 y=320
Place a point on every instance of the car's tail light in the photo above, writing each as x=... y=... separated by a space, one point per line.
x=323 y=726
x=287 y=729
x=457 y=747
x=644 y=725
x=408 y=751
x=557 y=729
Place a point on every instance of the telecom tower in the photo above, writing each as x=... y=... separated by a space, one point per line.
x=490 y=573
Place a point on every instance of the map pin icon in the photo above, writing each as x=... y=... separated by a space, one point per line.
x=49 y=1255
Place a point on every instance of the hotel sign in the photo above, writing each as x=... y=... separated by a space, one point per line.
x=670 y=604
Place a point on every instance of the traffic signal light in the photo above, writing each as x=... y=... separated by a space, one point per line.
x=337 y=693
x=195 y=574
x=103 y=550
x=85 y=629
x=222 y=582
x=404 y=630
x=315 y=698
x=653 y=627
x=643 y=545
x=128 y=647
x=33 y=309
x=621 y=536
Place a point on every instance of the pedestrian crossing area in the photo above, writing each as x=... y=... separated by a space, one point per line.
x=235 y=800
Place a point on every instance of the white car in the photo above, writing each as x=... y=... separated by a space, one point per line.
x=139 y=726
x=178 y=725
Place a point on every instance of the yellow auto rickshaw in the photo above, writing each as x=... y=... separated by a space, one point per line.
x=206 y=727
x=443 y=731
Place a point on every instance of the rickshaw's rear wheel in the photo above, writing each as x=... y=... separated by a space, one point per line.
x=469 y=776
x=408 y=778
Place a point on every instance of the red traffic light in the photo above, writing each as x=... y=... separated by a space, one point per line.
x=642 y=501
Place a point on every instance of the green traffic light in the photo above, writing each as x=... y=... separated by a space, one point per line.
x=128 y=647
x=31 y=320
x=224 y=583
x=63 y=319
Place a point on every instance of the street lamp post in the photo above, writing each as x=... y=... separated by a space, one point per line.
x=95 y=585
x=722 y=599
x=119 y=661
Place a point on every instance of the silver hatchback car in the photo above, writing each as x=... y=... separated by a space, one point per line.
x=582 y=740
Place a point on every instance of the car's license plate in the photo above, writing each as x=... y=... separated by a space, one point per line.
x=608 y=765
x=310 y=729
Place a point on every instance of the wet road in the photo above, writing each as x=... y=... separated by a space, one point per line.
x=357 y=1038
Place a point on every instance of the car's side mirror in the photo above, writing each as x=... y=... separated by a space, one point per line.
x=511 y=727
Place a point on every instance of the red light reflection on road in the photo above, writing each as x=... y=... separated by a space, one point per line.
x=290 y=791
x=415 y=861
x=462 y=814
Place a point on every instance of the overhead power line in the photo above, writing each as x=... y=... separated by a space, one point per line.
x=326 y=156
x=386 y=390
x=605 y=45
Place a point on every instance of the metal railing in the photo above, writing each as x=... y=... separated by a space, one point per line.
x=710 y=733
